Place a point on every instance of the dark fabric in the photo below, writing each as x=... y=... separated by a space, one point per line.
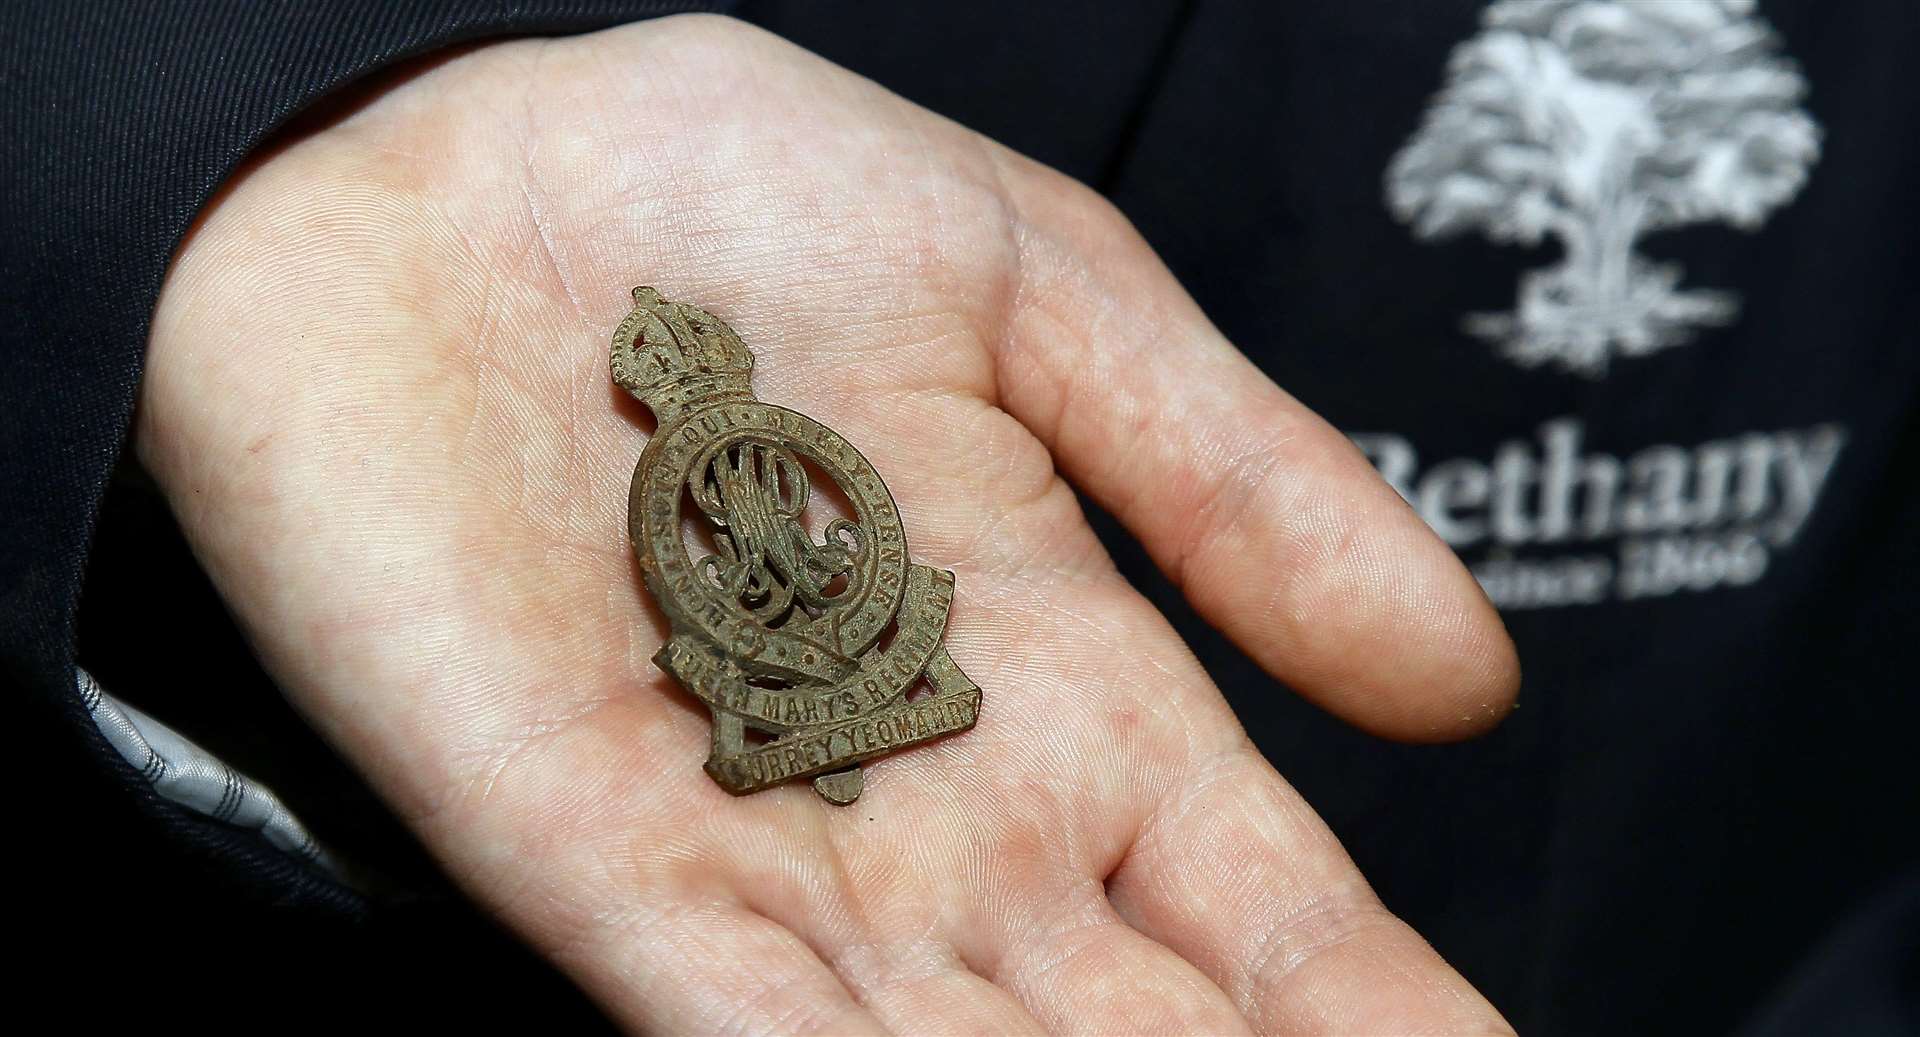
x=1861 y=979
x=1710 y=767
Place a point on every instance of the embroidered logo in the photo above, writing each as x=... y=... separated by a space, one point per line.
x=1595 y=123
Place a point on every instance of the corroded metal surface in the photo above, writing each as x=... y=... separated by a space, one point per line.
x=779 y=634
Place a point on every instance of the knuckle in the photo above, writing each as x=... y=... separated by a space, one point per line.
x=1224 y=499
x=1269 y=501
x=1310 y=934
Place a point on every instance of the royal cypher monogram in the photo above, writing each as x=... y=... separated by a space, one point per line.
x=777 y=633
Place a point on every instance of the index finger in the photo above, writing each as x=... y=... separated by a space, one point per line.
x=1273 y=524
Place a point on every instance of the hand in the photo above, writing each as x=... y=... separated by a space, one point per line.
x=378 y=399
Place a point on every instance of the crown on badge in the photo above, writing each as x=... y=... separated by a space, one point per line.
x=671 y=356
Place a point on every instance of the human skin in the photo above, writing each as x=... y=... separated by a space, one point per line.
x=377 y=398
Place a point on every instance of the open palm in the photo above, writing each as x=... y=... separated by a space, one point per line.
x=378 y=398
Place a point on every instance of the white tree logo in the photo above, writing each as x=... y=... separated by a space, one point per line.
x=1596 y=122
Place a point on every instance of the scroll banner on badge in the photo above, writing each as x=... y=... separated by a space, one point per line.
x=954 y=706
x=863 y=716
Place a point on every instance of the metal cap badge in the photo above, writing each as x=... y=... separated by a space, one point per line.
x=776 y=632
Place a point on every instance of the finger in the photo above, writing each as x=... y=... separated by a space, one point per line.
x=1080 y=968
x=926 y=988
x=1028 y=910
x=1236 y=874
x=1274 y=525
